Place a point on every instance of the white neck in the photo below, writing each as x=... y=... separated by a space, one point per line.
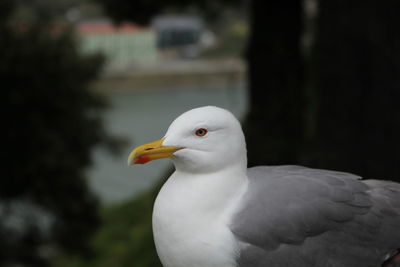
x=192 y=212
x=208 y=192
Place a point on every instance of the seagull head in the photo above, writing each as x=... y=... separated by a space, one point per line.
x=205 y=139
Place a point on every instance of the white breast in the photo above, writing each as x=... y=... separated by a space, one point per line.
x=190 y=221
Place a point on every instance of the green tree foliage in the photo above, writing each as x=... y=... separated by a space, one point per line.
x=50 y=124
x=143 y=11
x=125 y=238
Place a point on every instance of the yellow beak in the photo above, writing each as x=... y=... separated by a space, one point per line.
x=151 y=151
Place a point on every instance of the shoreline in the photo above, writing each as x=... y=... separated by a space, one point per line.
x=171 y=74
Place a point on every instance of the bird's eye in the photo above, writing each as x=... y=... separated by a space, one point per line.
x=201 y=132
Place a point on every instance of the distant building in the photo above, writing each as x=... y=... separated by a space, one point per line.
x=179 y=35
x=122 y=45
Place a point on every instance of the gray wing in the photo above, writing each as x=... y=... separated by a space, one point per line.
x=296 y=216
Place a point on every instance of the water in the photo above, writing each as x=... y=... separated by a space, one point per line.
x=144 y=116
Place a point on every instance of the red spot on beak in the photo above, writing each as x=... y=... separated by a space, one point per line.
x=142 y=159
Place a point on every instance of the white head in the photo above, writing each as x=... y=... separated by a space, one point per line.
x=205 y=139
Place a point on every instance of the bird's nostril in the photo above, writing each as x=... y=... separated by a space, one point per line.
x=150 y=148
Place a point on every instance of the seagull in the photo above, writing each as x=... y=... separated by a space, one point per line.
x=215 y=212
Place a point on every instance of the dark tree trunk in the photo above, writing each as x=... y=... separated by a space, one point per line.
x=358 y=71
x=274 y=126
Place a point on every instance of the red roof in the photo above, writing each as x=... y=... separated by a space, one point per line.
x=107 y=27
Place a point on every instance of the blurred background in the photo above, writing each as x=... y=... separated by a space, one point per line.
x=315 y=83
